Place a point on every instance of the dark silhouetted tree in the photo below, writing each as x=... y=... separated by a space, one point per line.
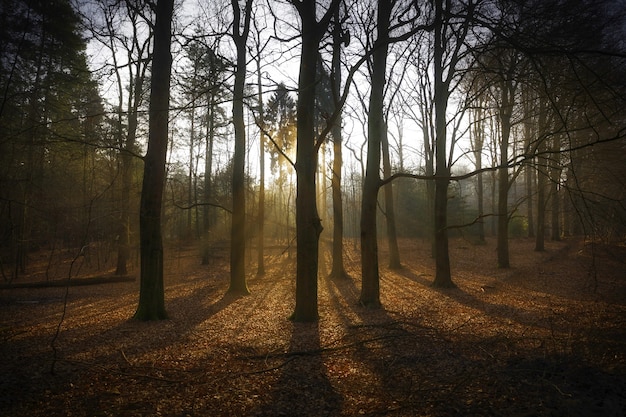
x=151 y=292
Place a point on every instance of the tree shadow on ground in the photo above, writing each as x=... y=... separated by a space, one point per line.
x=501 y=311
x=303 y=388
x=379 y=364
x=88 y=343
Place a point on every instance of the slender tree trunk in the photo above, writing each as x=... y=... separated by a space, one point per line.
x=123 y=254
x=321 y=194
x=529 y=179
x=370 y=289
x=261 y=216
x=151 y=293
x=478 y=137
x=541 y=204
x=392 y=235
x=308 y=223
x=542 y=175
x=429 y=168
x=190 y=187
x=443 y=277
x=528 y=170
x=555 y=179
x=480 y=195
x=503 y=177
x=208 y=168
x=238 y=282
x=338 y=269
x=123 y=248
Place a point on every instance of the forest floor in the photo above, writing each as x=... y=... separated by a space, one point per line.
x=546 y=337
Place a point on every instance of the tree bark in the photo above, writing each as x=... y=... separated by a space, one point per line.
x=503 y=175
x=443 y=277
x=208 y=168
x=190 y=184
x=529 y=168
x=261 y=214
x=308 y=223
x=370 y=284
x=151 y=293
x=390 y=212
x=127 y=174
x=542 y=176
x=338 y=270
x=555 y=179
x=478 y=141
x=238 y=282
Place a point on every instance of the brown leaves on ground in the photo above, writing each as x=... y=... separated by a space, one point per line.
x=544 y=338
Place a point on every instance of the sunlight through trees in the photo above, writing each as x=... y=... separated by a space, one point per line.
x=477 y=119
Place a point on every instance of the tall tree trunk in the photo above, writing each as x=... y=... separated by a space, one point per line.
x=480 y=195
x=338 y=269
x=503 y=175
x=429 y=166
x=123 y=243
x=542 y=176
x=151 y=293
x=541 y=202
x=123 y=253
x=261 y=215
x=238 y=282
x=392 y=235
x=478 y=139
x=370 y=289
x=208 y=168
x=555 y=179
x=443 y=277
x=528 y=169
x=308 y=223
x=190 y=185
x=529 y=179
x=21 y=231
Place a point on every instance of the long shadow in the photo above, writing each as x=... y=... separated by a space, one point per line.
x=387 y=351
x=498 y=311
x=27 y=378
x=303 y=388
x=415 y=367
x=559 y=333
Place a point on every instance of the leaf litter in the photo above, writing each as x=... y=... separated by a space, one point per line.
x=543 y=338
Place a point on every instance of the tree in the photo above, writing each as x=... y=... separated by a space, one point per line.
x=555 y=171
x=280 y=130
x=420 y=92
x=370 y=289
x=529 y=168
x=308 y=224
x=477 y=139
x=507 y=67
x=260 y=122
x=50 y=114
x=339 y=36
x=137 y=51
x=238 y=282
x=444 y=74
x=151 y=292
x=390 y=212
x=213 y=74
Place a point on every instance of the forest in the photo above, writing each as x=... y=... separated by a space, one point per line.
x=313 y=207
